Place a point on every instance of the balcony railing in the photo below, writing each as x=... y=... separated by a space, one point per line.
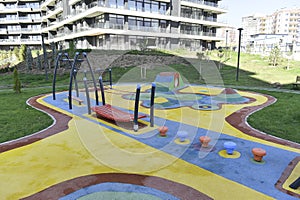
x=203 y=2
x=143 y=28
x=14 y=30
x=211 y=19
x=209 y=34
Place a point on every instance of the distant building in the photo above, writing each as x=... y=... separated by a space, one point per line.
x=285 y=23
x=251 y=25
x=264 y=43
x=230 y=37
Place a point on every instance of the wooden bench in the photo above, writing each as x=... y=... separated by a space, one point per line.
x=295 y=85
x=80 y=101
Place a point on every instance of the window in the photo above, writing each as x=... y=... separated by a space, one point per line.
x=116 y=21
x=131 y=5
x=120 y=3
x=139 y=21
x=131 y=21
x=139 y=6
x=154 y=23
x=154 y=8
x=147 y=6
x=147 y=23
x=112 y=3
x=163 y=23
x=162 y=8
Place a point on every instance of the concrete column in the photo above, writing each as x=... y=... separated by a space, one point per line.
x=66 y=8
x=175 y=6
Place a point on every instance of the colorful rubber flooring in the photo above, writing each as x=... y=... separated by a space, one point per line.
x=91 y=158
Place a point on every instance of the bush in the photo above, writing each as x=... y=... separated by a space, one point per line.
x=17 y=82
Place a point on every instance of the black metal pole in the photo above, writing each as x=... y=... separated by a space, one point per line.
x=71 y=80
x=110 y=78
x=226 y=39
x=87 y=95
x=239 y=54
x=152 y=104
x=102 y=90
x=45 y=57
x=54 y=75
x=93 y=77
x=136 y=108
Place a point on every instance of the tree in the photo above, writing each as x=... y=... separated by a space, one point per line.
x=17 y=82
x=54 y=51
x=16 y=53
x=143 y=44
x=220 y=55
x=38 y=61
x=22 y=52
x=29 y=59
x=275 y=55
x=72 y=49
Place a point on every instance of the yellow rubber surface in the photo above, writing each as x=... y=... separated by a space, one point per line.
x=87 y=148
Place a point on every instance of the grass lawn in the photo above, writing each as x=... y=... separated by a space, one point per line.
x=17 y=118
x=280 y=119
x=255 y=71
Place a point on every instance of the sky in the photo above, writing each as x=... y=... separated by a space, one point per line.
x=241 y=8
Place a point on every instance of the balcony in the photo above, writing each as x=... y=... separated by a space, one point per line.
x=203 y=2
x=14 y=30
x=143 y=28
x=190 y=32
x=209 y=34
x=3 y=31
x=211 y=19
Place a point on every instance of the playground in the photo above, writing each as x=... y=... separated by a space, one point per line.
x=107 y=142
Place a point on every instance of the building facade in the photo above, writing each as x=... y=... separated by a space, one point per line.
x=121 y=24
x=20 y=23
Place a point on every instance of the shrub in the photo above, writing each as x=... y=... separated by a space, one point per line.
x=17 y=82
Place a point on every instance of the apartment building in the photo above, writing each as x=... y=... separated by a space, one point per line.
x=252 y=25
x=20 y=23
x=287 y=21
x=284 y=23
x=131 y=24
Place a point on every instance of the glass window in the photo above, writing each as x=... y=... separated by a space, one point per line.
x=120 y=3
x=131 y=5
x=154 y=7
x=139 y=21
x=154 y=23
x=162 y=8
x=147 y=6
x=101 y=2
x=139 y=6
x=163 y=23
x=147 y=22
x=131 y=21
x=112 y=3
